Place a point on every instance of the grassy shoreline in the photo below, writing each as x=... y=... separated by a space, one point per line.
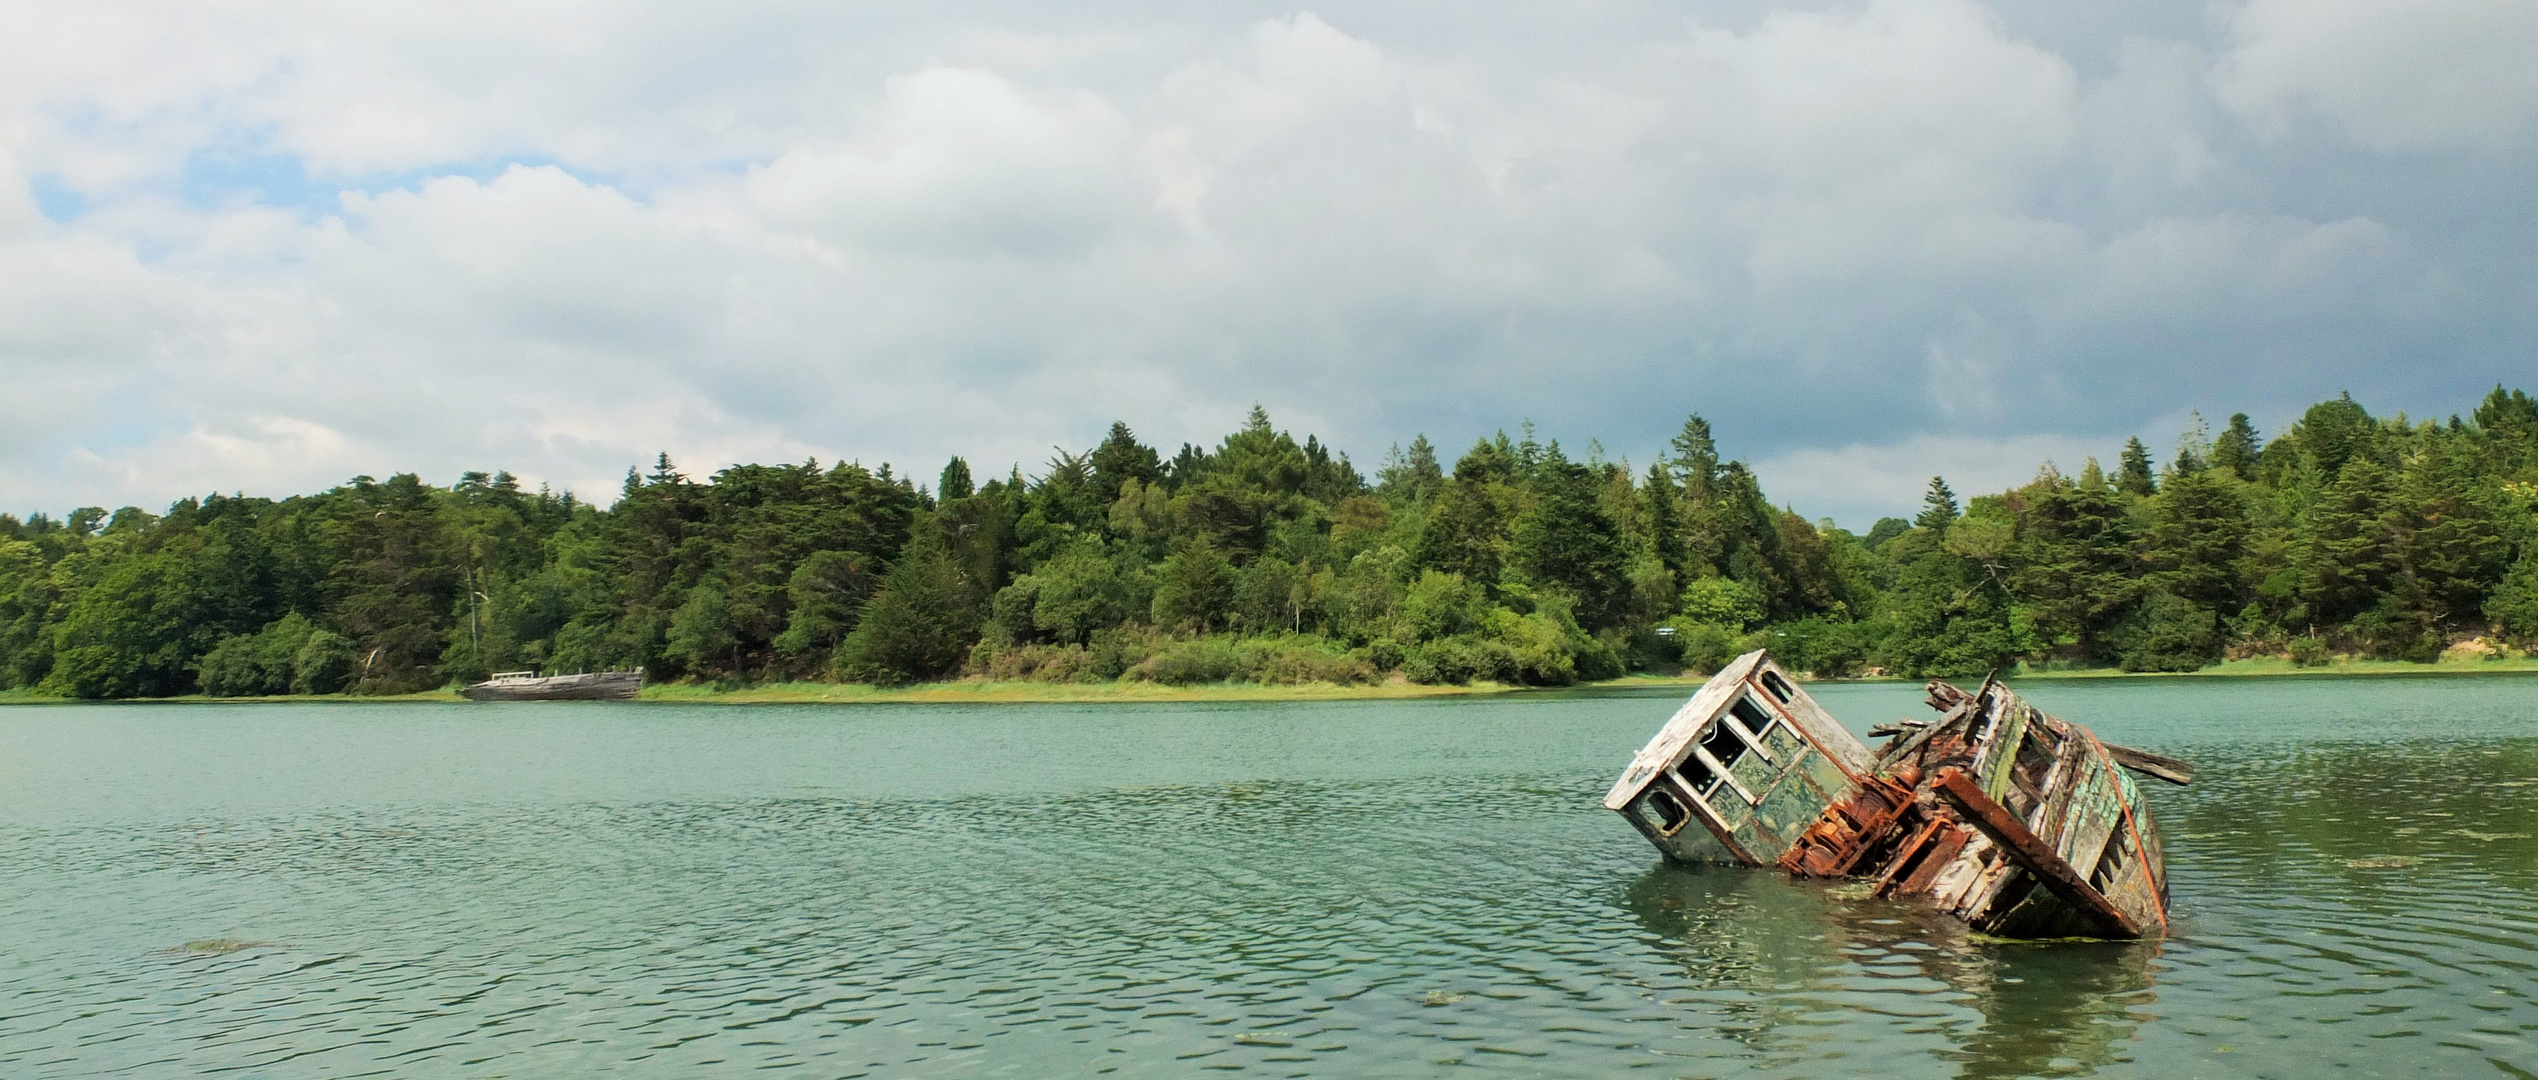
x=983 y=692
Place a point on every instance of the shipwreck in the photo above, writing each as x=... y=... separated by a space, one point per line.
x=530 y=686
x=2021 y=824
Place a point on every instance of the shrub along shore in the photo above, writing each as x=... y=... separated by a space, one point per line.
x=977 y=691
x=1274 y=564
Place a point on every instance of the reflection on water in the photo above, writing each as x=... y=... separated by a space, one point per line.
x=1364 y=890
x=2010 y=1008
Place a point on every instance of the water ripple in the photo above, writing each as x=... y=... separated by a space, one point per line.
x=2342 y=902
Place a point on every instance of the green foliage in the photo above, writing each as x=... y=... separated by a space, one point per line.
x=2132 y=471
x=1567 y=540
x=2165 y=632
x=919 y=626
x=1704 y=647
x=2237 y=447
x=1949 y=617
x=1193 y=587
x=1938 y=507
x=1276 y=659
x=1265 y=557
x=1722 y=602
x=2514 y=603
x=262 y=663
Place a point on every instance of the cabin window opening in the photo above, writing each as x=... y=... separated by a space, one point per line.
x=1696 y=776
x=1756 y=718
x=1778 y=686
x=1663 y=810
x=1724 y=744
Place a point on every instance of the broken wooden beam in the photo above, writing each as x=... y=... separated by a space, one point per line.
x=2150 y=764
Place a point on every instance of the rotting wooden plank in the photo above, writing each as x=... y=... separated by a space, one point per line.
x=2062 y=788
x=1954 y=716
x=2155 y=766
x=2032 y=854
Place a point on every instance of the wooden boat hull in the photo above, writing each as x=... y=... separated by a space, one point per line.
x=2019 y=823
x=596 y=686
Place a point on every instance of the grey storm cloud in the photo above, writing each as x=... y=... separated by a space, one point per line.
x=264 y=247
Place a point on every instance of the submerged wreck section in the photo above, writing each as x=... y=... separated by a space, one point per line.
x=2019 y=823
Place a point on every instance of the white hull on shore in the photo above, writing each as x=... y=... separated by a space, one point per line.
x=596 y=686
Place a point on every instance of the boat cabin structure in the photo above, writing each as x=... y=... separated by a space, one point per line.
x=2020 y=823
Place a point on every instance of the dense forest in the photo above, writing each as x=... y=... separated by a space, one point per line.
x=1271 y=560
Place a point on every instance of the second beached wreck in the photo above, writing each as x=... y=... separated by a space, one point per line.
x=2021 y=824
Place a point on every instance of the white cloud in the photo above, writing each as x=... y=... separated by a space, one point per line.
x=298 y=241
x=1860 y=482
x=2397 y=74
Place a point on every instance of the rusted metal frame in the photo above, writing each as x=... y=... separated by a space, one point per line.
x=1897 y=801
x=1933 y=864
x=2033 y=854
x=1904 y=854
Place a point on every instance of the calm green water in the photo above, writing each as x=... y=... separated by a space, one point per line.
x=1335 y=890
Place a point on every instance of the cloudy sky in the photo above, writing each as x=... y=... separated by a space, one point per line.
x=267 y=246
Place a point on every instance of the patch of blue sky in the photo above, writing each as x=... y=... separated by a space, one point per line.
x=217 y=178
x=57 y=201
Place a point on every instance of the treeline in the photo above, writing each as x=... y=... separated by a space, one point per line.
x=1269 y=559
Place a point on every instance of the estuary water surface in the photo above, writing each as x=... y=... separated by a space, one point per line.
x=1360 y=889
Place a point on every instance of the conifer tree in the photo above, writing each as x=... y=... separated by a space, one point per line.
x=2132 y=470
x=1696 y=459
x=1657 y=508
x=1566 y=539
x=1938 y=507
x=955 y=482
x=1121 y=458
x=2237 y=447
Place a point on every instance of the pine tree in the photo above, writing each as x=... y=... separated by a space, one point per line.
x=919 y=626
x=1696 y=459
x=1413 y=477
x=2200 y=533
x=1467 y=530
x=955 y=482
x=2346 y=555
x=2132 y=470
x=1938 y=507
x=2237 y=448
x=1567 y=540
x=1121 y=458
x=1658 y=511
